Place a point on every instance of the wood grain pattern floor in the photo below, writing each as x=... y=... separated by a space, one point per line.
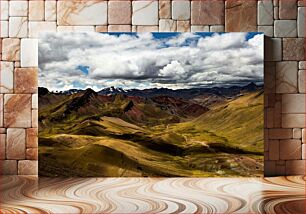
x=24 y=194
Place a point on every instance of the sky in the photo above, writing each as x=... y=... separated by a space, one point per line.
x=149 y=60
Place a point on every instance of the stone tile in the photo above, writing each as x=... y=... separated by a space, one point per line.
x=293 y=103
x=293 y=120
x=287 y=9
x=301 y=22
x=216 y=28
x=4 y=29
x=280 y=134
x=302 y=65
x=280 y=170
x=164 y=9
x=35 y=101
x=266 y=140
x=17 y=110
x=36 y=10
x=275 y=13
x=183 y=26
x=36 y=27
x=28 y=167
x=265 y=12
x=199 y=28
x=293 y=49
x=275 y=3
x=6 y=77
x=29 y=53
x=167 y=25
x=180 y=10
x=145 y=13
x=32 y=139
x=270 y=77
x=297 y=133
x=290 y=149
x=119 y=12
x=75 y=28
x=240 y=15
x=18 y=27
x=76 y=12
x=147 y=28
x=269 y=168
x=267 y=30
x=2 y=130
x=286 y=77
x=273 y=49
x=4 y=10
x=1 y=110
x=303 y=151
x=207 y=12
x=269 y=100
x=11 y=49
x=18 y=8
x=32 y=154
x=50 y=10
x=119 y=28
x=301 y=83
x=34 y=118
x=15 y=143
x=8 y=167
x=26 y=80
x=277 y=114
x=295 y=167
x=2 y=146
x=273 y=150
x=285 y=28
x=281 y=163
x=304 y=135
x=301 y=3
x=269 y=118
x=101 y=28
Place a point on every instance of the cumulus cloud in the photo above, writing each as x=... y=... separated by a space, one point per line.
x=149 y=60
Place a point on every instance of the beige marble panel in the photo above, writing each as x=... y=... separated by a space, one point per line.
x=286 y=77
x=50 y=10
x=18 y=27
x=15 y=144
x=145 y=13
x=6 y=77
x=4 y=10
x=74 y=12
x=18 y=8
x=36 y=10
x=11 y=49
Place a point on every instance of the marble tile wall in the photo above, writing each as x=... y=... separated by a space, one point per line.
x=282 y=21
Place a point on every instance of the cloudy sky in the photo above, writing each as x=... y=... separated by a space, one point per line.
x=170 y=60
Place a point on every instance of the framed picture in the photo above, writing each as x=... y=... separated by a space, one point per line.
x=151 y=104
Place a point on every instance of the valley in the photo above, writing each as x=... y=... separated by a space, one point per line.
x=151 y=132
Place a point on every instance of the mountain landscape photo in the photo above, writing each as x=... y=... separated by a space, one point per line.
x=151 y=105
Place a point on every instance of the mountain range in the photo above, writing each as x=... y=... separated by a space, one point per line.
x=182 y=93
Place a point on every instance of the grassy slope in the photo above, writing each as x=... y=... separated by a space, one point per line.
x=237 y=123
x=185 y=149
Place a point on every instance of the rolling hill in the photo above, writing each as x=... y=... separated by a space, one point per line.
x=207 y=132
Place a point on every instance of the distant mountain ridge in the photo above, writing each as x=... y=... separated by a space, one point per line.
x=153 y=92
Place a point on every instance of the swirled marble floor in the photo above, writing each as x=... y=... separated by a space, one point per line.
x=21 y=194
